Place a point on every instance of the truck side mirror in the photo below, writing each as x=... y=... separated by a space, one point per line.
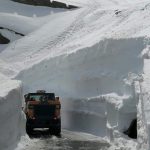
x=25 y=97
x=57 y=98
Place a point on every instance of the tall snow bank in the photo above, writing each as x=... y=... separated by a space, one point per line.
x=144 y=103
x=85 y=115
x=142 y=127
x=100 y=115
x=90 y=72
x=11 y=117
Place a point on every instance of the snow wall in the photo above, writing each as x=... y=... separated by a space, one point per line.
x=143 y=123
x=90 y=82
x=144 y=118
x=142 y=127
x=11 y=116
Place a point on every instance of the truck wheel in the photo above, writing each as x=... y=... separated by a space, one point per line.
x=55 y=130
x=29 y=130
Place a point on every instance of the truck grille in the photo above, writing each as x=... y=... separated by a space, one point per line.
x=44 y=110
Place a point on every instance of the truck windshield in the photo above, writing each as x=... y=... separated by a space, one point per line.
x=41 y=97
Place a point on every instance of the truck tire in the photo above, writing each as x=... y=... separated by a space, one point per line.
x=55 y=131
x=29 y=129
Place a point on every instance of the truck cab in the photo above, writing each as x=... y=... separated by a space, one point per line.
x=43 y=111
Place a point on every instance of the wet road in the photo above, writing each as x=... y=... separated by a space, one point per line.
x=41 y=140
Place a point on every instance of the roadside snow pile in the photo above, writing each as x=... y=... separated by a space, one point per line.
x=24 y=142
x=99 y=115
x=11 y=116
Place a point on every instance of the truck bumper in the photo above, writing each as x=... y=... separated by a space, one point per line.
x=43 y=123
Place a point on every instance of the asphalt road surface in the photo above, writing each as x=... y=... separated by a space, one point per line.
x=41 y=140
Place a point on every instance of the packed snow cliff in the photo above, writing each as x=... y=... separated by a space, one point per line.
x=12 y=120
x=91 y=57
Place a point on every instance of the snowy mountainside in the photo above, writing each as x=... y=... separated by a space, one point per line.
x=93 y=73
x=89 y=57
x=85 y=28
x=7 y=6
x=84 y=56
x=24 y=18
x=103 y=3
x=19 y=19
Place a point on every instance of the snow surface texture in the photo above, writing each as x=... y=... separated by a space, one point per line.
x=85 y=56
x=11 y=116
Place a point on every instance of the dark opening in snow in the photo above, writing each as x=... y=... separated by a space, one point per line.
x=3 y=40
x=48 y=3
x=132 y=130
x=12 y=31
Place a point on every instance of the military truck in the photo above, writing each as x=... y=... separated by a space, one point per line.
x=42 y=111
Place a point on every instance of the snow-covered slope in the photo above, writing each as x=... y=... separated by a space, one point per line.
x=85 y=56
x=83 y=28
x=104 y=3
x=7 y=6
x=24 y=18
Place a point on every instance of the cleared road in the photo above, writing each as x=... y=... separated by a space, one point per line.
x=41 y=140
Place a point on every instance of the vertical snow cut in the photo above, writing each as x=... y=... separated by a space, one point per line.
x=11 y=118
x=80 y=76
